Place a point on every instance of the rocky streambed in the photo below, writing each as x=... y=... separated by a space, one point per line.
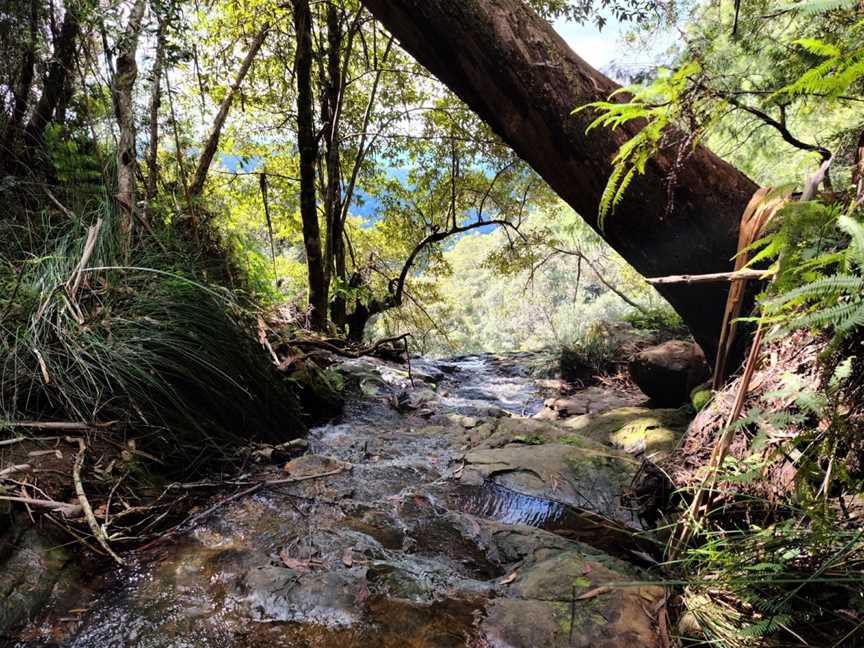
x=447 y=510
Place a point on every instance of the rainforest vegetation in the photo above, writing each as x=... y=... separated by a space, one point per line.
x=214 y=212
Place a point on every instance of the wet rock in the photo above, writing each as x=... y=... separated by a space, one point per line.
x=666 y=373
x=497 y=433
x=310 y=465
x=586 y=401
x=327 y=597
x=585 y=474
x=35 y=571
x=635 y=430
x=569 y=600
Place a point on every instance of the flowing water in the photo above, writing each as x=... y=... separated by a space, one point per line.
x=406 y=546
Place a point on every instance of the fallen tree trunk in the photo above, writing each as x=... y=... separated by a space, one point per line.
x=511 y=67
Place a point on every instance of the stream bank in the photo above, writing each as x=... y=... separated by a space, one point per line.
x=442 y=509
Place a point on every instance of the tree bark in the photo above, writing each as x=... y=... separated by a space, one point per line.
x=212 y=144
x=21 y=92
x=512 y=68
x=122 y=88
x=155 y=103
x=334 y=253
x=55 y=83
x=308 y=145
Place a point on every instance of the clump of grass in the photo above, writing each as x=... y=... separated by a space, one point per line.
x=791 y=583
x=139 y=340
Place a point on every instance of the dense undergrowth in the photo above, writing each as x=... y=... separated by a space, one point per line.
x=776 y=557
x=141 y=343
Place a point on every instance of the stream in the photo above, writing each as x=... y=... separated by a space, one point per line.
x=434 y=512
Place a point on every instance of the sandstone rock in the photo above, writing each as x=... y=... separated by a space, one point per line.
x=540 y=609
x=635 y=430
x=585 y=401
x=310 y=465
x=584 y=474
x=666 y=373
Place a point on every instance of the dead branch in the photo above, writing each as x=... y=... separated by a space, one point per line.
x=11 y=470
x=97 y=530
x=714 y=277
x=68 y=510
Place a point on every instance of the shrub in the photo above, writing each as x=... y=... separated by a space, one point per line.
x=145 y=345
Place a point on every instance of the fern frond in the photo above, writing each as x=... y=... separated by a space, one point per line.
x=855 y=230
x=820 y=288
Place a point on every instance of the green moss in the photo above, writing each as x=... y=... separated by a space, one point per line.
x=699 y=397
x=633 y=429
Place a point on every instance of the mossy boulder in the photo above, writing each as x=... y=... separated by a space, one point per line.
x=543 y=607
x=635 y=430
x=35 y=572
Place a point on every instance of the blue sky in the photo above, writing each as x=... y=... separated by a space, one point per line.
x=597 y=47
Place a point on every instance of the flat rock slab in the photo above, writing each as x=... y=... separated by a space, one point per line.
x=571 y=601
x=653 y=433
x=585 y=475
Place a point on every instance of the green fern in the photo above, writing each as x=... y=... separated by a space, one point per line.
x=837 y=73
x=816 y=289
x=658 y=104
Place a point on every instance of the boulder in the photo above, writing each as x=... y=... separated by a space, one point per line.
x=597 y=398
x=36 y=572
x=570 y=600
x=668 y=372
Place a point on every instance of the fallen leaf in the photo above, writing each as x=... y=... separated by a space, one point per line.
x=593 y=593
x=509 y=579
x=293 y=563
x=348 y=557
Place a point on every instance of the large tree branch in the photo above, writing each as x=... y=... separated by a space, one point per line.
x=398 y=286
x=780 y=127
x=511 y=67
x=212 y=144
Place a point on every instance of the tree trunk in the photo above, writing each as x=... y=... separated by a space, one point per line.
x=122 y=87
x=308 y=145
x=21 y=92
x=518 y=74
x=334 y=252
x=55 y=83
x=212 y=144
x=155 y=103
